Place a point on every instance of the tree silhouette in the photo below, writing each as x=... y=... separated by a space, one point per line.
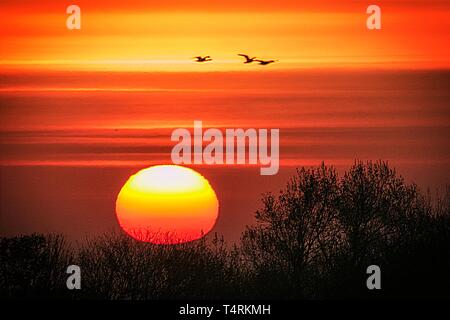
x=33 y=266
x=319 y=235
x=312 y=240
x=295 y=231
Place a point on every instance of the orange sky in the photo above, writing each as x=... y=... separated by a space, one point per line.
x=70 y=140
x=164 y=35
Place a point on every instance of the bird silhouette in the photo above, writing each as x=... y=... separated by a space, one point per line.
x=202 y=59
x=265 y=62
x=247 y=58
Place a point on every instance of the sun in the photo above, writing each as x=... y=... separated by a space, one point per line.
x=167 y=204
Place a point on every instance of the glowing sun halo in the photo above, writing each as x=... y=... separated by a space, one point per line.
x=167 y=204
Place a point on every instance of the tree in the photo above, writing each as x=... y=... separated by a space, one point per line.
x=33 y=266
x=318 y=236
x=295 y=231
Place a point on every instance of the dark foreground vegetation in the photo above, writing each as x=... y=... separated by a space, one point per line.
x=313 y=240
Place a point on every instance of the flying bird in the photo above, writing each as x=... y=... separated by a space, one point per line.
x=265 y=62
x=202 y=59
x=247 y=58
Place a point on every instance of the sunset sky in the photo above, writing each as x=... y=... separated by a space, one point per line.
x=164 y=35
x=82 y=110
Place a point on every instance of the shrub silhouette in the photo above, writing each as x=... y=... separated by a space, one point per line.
x=119 y=267
x=33 y=266
x=313 y=240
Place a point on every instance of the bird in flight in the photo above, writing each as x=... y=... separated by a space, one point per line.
x=202 y=59
x=247 y=58
x=265 y=62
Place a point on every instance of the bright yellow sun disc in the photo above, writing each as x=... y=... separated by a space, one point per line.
x=167 y=204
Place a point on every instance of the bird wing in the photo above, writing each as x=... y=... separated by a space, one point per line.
x=244 y=55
